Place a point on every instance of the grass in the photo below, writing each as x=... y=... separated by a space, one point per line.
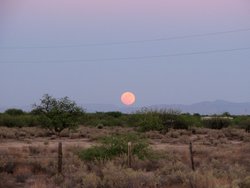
x=116 y=145
x=221 y=158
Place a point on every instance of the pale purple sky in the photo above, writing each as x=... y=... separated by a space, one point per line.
x=29 y=28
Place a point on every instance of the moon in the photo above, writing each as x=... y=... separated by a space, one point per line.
x=128 y=98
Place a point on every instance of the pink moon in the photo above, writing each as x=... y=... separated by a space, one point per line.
x=128 y=98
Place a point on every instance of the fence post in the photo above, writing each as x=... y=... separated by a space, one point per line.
x=60 y=157
x=129 y=154
x=191 y=155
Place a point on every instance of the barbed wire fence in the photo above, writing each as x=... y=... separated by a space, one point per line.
x=58 y=158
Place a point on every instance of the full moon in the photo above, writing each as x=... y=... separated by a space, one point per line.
x=128 y=98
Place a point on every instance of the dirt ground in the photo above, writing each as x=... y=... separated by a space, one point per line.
x=34 y=154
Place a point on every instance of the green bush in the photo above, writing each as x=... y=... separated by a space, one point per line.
x=94 y=153
x=181 y=123
x=106 y=119
x=173 y=119
x=216 y=122
x=114 y=114
x=18 y=121
x=134 y=119
x=150 y=121
x=245 y=125
x=162 y=120
x=238 y=119
x=14 y=112
x=116 y=145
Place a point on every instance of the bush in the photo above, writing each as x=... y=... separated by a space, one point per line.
x=173 y=119
x=245 y=125
x=18 y=121
x=106 y=119
x=14 y=112
x=95 y=153
x=150 y=121
x=180 y=123
x=116 y=145
x=114 y=114
x=216 y=122
x=134 y=120
x=163 y=120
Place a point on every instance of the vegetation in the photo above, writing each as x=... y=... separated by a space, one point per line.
x=245 y=124
x=160 y=155
x=116 y=145
x=58 y=114
x=225 y=164
x=216 y=122
x=144 y=120
x=14 y=112
x=18 y=120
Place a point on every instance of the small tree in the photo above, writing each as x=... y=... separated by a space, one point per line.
x=14 y=112
x=58 y=114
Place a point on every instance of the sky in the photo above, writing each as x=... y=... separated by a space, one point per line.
x=87 y=50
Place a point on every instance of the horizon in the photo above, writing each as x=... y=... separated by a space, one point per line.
x=215 y=107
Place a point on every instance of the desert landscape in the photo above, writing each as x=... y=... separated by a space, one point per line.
x=29 y=158
x=124 y=94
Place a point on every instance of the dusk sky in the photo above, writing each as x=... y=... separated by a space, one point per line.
x=87 y=50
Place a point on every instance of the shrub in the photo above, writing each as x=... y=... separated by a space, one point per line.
x=150 y=121
x=11 y=121
x=134 y=120
x=116 y=145
x=114 y=114
x=106 y=119
x=18 y=121
x=110 y=121
x=162 y=120
x=245 y=125
x=180 y=123
x=173 y=119
x=14 y=112
x=216 y=122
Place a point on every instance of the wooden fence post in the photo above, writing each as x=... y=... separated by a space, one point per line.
x=191 y=155
x=129 y=155
x=60 y=155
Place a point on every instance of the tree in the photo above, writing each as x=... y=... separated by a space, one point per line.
x=226 y=114
x=58 y=114
x=14 y=112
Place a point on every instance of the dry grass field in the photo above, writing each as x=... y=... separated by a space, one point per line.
x=28 y=159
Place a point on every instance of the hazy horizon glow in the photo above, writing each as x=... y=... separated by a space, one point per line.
x=182 y=80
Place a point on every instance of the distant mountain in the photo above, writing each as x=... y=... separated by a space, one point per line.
x=100 y=107
x=204 y=108
x=214 y=107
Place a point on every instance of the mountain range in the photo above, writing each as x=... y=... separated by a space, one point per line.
x=204 y=108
